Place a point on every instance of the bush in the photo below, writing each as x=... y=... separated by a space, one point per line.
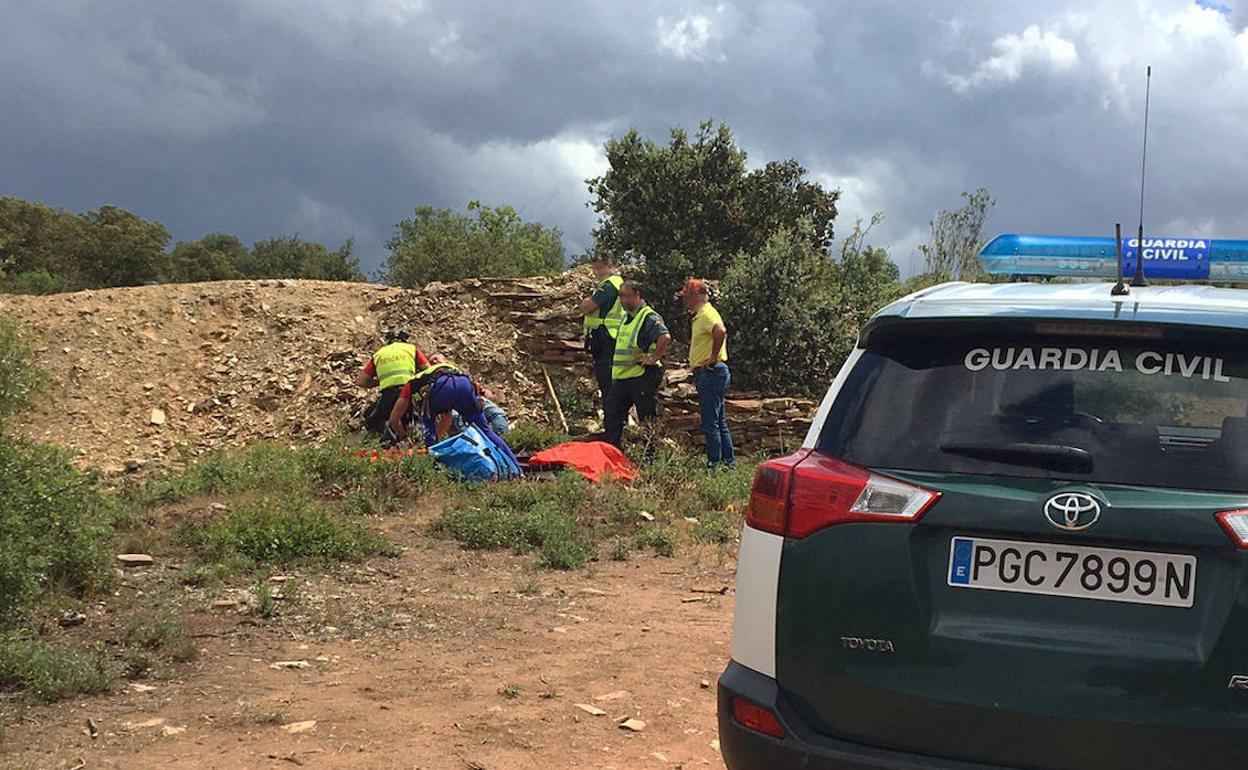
x=534 y=437
x=781 y=296
x=442 y=245
x=715 y=527
x=523 y=516
x=55 y=527
x=662 y=540
x=284 y=530
x=19 y=378
x=34 y=282
x=719 y=488
x=154 y=632
x=261 y=466
x=49 y=672
x=274 y=468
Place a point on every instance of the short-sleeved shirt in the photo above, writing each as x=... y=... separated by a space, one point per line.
x=604 y=297
x=422 y=362
x=652 y=327
x=701 y=341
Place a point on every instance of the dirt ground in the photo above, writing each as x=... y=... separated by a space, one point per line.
x=438 y=659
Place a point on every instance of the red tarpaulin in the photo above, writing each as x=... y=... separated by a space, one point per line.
x=595 y=460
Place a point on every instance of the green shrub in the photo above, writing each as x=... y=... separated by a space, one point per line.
x=154 y=632
x=19 y=378
x=785 y=288
x=422 y=473
x=661 y=540
x=55 y=527
x=335 y=465
x=49 y=672
x=330 y=468
x=523 y=516
x=369 y=502
x=481 y=529
x=266 y=606
x=269 y=467
x=34 y=282
x=715 y=527
x=444 y=245
x=555 y=535
x=720 y=487
x=534 y=437
x=578 y=402
x=283 y=530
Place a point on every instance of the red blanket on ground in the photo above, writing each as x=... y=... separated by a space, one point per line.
x=595 y=460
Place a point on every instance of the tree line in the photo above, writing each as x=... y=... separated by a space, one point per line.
x=45 y=250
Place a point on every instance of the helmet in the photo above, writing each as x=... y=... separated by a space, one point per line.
x=395 y=335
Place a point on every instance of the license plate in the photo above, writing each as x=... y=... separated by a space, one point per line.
x=1104 y=574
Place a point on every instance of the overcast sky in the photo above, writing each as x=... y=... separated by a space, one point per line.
x=335 y=118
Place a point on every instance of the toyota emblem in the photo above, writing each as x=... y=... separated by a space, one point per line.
x=1072 y=511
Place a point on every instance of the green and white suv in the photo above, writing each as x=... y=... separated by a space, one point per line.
x=1015 y=537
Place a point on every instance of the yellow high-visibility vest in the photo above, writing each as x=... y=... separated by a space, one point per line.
x=395 y=364
x=615 y=314
x=627 y=349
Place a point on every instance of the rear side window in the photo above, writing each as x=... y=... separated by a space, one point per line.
x=1162 y=407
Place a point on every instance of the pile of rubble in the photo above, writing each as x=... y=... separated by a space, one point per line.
x=161 y=374
x=164 y=373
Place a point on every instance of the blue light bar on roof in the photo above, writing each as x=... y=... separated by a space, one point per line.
x=1055 y=256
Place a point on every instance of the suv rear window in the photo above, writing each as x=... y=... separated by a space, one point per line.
x=1165 y=406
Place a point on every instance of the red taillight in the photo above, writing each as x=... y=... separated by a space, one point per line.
x=1236 y=525
x=769 y=497
x=802 y=494
x=756 y=718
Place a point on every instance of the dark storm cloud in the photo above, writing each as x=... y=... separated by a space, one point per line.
x=334 y=118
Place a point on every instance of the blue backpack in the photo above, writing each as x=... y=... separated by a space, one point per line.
x=474 y=456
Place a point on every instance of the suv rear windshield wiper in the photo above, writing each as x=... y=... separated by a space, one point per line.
x=1055 y=457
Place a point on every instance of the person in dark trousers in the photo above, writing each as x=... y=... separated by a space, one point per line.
x=439 y=390
x=390 y=368
x=708 y=358
x=603 y=316
x=637 y=368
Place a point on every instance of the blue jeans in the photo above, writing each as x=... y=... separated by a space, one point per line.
x=712 y=385
x=494 y=415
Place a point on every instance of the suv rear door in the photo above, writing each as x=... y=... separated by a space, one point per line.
x=884 y=638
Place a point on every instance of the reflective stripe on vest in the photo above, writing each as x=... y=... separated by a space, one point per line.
x=615 y=314
x=395 y=364
x=628 y=349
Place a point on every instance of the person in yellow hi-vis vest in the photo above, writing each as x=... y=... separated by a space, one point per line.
x=603 y=316
x=393 y=365
x=637 y=367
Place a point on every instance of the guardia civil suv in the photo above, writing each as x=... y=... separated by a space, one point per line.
x=1016 y=535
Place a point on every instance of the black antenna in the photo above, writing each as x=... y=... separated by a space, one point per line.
x=1138 y=279
x=1120 y=289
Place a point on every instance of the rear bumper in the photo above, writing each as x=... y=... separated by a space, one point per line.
x=803 y=748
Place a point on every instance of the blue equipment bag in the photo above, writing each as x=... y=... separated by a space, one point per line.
x=474 y=456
